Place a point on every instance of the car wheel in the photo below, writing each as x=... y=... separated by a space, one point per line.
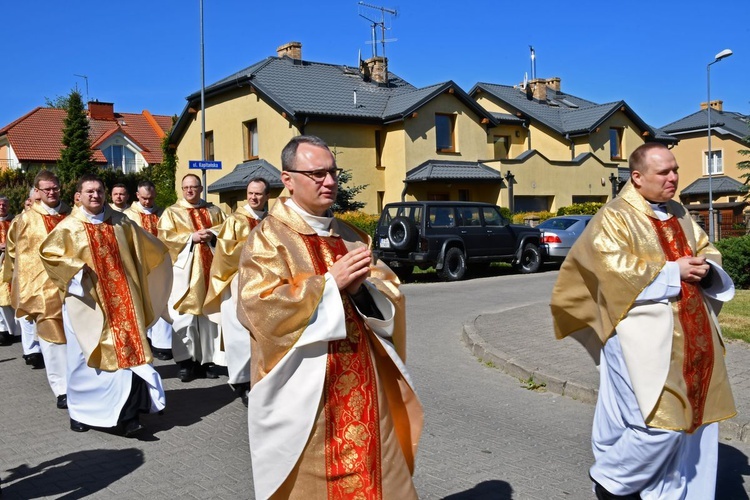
x=454 y=265
x=402 y=233
x=531 y=259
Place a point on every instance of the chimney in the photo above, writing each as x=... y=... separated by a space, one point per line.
x=101 y=110
x=715 y=105
x=538 y=89
x=554 y=83
x=376 y=69
x=292 y=50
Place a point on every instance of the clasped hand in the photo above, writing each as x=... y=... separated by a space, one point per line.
x=351 y=270
x=693 y=269
x=202 y=236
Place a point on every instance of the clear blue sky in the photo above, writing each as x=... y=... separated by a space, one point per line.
x=145 y=54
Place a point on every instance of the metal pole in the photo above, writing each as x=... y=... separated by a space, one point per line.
x=203 y=106
x=708 y=160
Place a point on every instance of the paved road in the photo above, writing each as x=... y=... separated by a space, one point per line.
x=485 y=436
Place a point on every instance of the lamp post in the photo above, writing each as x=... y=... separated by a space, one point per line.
x=721 y=55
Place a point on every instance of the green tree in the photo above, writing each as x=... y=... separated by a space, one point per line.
x=58 y=102
x=745 y=164
x=345 y=196
x=76 y=156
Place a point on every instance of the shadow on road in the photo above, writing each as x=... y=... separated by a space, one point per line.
x=70 y=476
x=189 y=406
x=487 y=490
x=733 y=467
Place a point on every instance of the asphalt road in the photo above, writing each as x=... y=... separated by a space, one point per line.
x=485 y=436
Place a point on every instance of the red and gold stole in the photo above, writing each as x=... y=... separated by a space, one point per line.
x=696 y=326
x=149 y=222
x=4 y=225
x=252 y=221
x=51 y=221
x=201 y=219
x=116 y=297
x=350 y=397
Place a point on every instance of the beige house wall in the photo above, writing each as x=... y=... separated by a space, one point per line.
x=690 y=152
x=598 y=141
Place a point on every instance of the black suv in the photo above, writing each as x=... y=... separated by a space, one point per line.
x=449 y=235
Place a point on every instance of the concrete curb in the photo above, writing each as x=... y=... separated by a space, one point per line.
x=490 y=354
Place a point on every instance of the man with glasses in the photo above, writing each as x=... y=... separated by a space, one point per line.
x=221 y=301
x=114 y=278
x=145 y=213
x=33 y=295
x=332 y=412
x=189 y=230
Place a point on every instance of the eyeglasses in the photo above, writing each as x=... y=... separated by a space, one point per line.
x=320 y=174
x=49 y=190
x=191 y=188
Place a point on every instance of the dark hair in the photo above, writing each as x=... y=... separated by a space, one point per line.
x=146 y=184
x=120 y=185
x=192 y=175
x=262 y=180
x=289 y=153
x=637 y=160
x=88 y=178
x=45 y=175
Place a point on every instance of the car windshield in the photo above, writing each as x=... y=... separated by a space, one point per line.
x=557 y=223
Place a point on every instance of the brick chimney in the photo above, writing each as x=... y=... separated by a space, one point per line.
x=101 y=110
x=376 y=69
x=538 y=89
x=292 y=50
x=554 y=83
x=715 y=105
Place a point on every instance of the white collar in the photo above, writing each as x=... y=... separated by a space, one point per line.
x=321 y=225
x=255 y=213
x=51 y=210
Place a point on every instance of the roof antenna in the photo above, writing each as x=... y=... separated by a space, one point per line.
x=86 y=78
x=533 y=63
x=378 y=24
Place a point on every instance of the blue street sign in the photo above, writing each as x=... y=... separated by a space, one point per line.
x=204 y=165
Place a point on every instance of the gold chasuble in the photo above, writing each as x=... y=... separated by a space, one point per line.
x=229 y=242
x=176 y=226
x=33 y=295
x=365 y=430
x=621 y=252
x=148 y=221
x=120 y=263
x=4 y=287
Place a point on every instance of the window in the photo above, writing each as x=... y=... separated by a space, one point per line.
x=615 y=143
x=463 y=195
x=120 y=158
x=717 y=162
x=441 y=217
x=492 y=217
x=502 y=147
x=209 y=146
x=469 y=216
x=250 y=136
x=381 y=197
x=378 y=149
x=444 y=133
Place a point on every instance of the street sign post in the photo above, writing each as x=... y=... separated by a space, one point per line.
x=204 y=165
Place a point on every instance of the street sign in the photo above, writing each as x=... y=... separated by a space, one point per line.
x=204 y=165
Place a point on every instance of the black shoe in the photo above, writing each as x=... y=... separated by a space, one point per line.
x=242 y=390
x=6 y=338
x=187 y=370
x=62 y=401
x=162 y=354
x=132 y=427
x=602 y=494
x=206 y=371
x=35 y=360
x=77 y=426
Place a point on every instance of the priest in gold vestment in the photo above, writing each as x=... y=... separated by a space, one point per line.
x=332 y=412
x=9 y=328
x=115 y=279
x=189 y=230
x=33 y=296
x=145 y=213
x=221 y=299
x=641 y=289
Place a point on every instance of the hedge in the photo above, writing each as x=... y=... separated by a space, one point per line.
x=361 y=220
x=735 y=257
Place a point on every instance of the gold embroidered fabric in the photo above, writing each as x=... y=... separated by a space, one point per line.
x=68 y=249
x=33 y=295
x=148 y=221
x=229 y=242
x=176 y=229
x=4 y=287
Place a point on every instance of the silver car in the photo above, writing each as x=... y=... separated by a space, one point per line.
x=559 y=234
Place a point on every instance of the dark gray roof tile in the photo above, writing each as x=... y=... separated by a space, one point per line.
x=720 y=184
x=729 y=122
x=433 y=170
x=238 y=178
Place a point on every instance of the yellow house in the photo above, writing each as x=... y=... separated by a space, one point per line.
x=728 y=188
x=557 y=149
x=379 y=127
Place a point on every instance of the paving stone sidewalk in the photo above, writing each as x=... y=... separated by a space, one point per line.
x=520 y=342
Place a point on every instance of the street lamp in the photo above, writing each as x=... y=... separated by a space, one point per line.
x=721 y=55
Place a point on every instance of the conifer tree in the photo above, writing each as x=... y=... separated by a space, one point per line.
x=745 y=166
x=76 y=156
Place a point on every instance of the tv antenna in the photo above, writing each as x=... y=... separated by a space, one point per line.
x=86 y=79
x=374 y=25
